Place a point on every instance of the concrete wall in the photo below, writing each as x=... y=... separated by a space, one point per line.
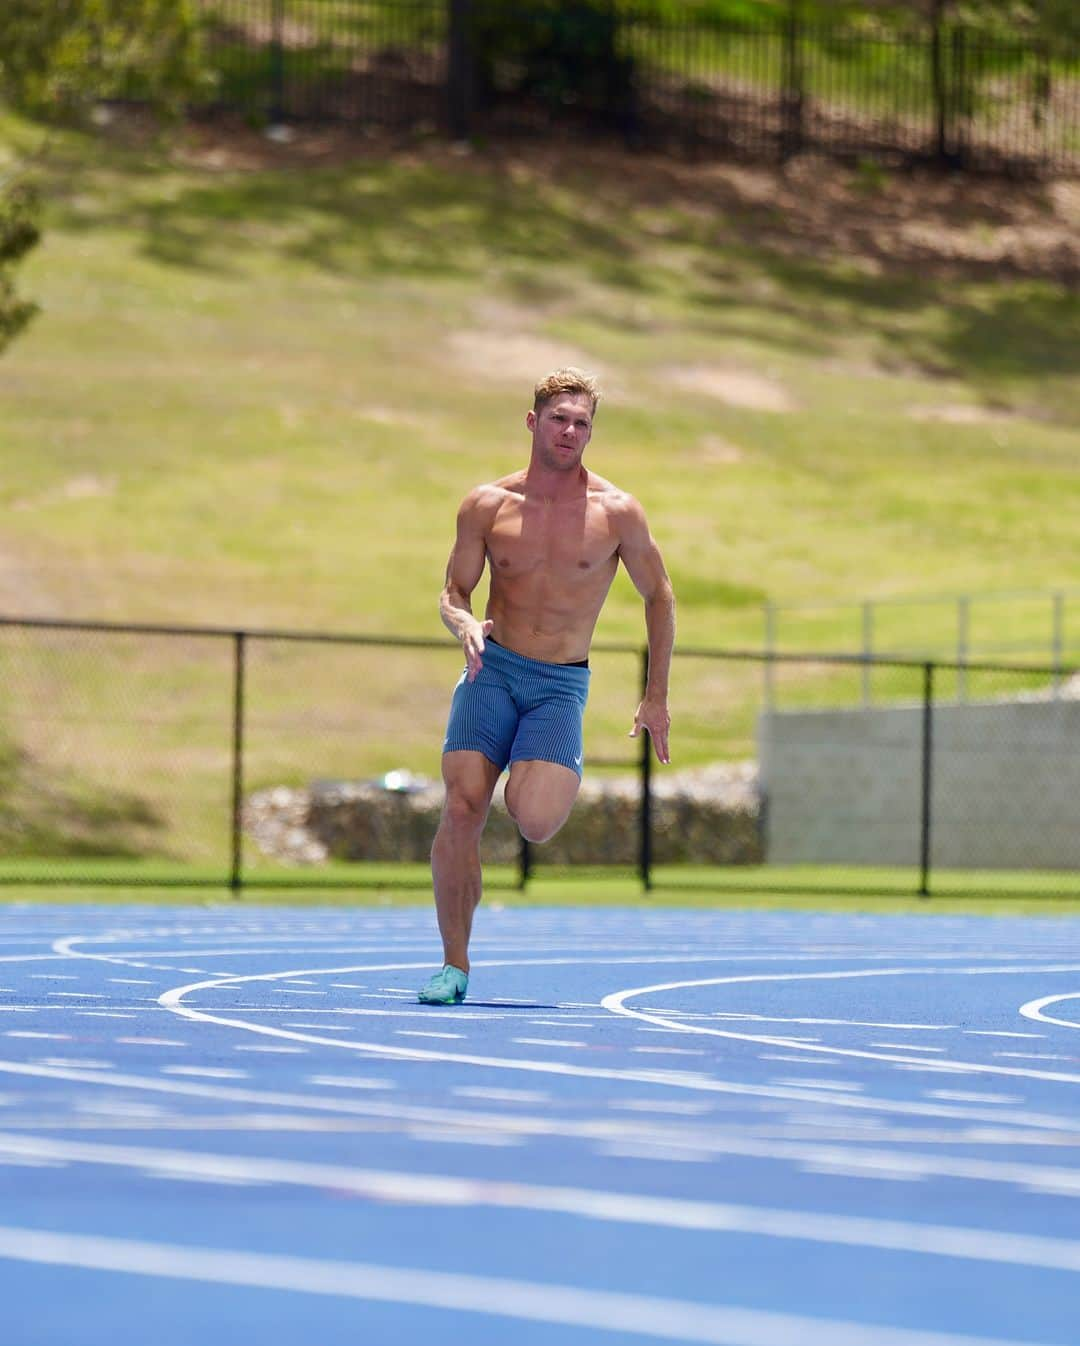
x=844 y=786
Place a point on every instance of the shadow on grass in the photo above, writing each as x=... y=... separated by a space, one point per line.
x=728 y=267
x=42 y=817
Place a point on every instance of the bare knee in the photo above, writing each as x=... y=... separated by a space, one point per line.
x=465 y=811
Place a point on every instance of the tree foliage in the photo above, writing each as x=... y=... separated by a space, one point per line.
x=58 y=56
x=18 y=234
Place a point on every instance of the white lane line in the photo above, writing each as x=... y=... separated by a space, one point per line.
x=548 y=1042
x=533 y=1301
x=842 y=1086
x=1045 y=1178
x=173 y=1001
x=1035 y=1056
x=152 y=1042
x=280 y=1051
x=906 y=1046
x=987 y=1033
x=840 y=1023
x=794 y=1060
x=350 y=1082
x=76 y=995
x=206 y=1072
x=433 y=1189
x=56 y=1037
x=32 y=958
x=673 y=1108
x=77 y=1063
x=616 y=1003
x=420 y=1033
x=958 y=1096
x=670 y=1051
x=501 y=1095
x=1034 y=1009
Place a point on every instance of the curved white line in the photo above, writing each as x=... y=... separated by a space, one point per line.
x=615 y=1002
x=1034 y=1009
x=171 y=1000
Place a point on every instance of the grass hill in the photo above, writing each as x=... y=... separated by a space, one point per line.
x=263 y=378
x=264 y=375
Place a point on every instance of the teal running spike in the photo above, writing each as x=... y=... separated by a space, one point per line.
x=447 y=987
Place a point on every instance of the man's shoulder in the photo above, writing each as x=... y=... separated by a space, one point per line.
x=489 y=495
x=612 y=498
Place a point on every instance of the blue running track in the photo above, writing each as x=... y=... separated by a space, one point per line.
x=235 y=1125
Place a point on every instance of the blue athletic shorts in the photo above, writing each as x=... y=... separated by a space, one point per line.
x=520 y=710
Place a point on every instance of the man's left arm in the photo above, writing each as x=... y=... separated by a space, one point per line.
x=645 y=566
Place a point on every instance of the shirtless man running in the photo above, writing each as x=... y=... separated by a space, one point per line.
x=553 y=536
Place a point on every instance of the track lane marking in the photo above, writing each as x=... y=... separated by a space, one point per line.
x=1034 y=1010
x=534 y=1301
x=1042 y=1177
x=432 y=1189
x=616 y=1004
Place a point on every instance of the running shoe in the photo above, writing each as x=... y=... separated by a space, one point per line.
x=447 y=987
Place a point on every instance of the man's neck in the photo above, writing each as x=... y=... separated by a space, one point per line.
x=544 y=483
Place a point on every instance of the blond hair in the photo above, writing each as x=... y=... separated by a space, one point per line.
x=569 y=380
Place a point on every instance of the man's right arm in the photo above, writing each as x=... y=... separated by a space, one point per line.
x=463 y=572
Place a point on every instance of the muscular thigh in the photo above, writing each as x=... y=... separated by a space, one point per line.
x=543 y=792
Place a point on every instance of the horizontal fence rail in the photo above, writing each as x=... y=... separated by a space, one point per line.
x=1035 y=624
x=762 y=90
x=153 y=755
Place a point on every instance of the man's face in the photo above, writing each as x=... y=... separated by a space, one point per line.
x=561 y=429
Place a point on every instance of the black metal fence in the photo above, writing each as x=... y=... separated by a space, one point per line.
x=202 y=757
x=764 y=90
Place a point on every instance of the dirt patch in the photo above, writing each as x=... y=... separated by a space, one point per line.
x=960 y=413
x=734 y=387
x=920 y=219
x=516 y=357
x=719 y=452
x=86 y=486
x=22 y=592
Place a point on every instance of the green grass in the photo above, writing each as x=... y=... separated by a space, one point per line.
x=837 y=888
x=255 y=397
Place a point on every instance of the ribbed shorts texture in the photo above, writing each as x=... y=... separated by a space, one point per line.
x=520 y=710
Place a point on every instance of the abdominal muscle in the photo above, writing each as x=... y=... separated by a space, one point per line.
x=542 y=616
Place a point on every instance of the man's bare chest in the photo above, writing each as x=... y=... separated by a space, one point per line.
x=564 y=541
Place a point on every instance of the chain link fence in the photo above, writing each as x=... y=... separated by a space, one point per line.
x=765 y=89
x=141 y=755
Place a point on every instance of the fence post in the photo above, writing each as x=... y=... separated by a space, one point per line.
x=236 y=877
x=960 y=100
x=927 y=779
x=963 y=642
x=791 y=137
x=277 y=62
x=460 y=70
x=868 y=651
x=937 y=83
x=1058 y=638
x=645 y=848
x=769 y=666
x=525 y=864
